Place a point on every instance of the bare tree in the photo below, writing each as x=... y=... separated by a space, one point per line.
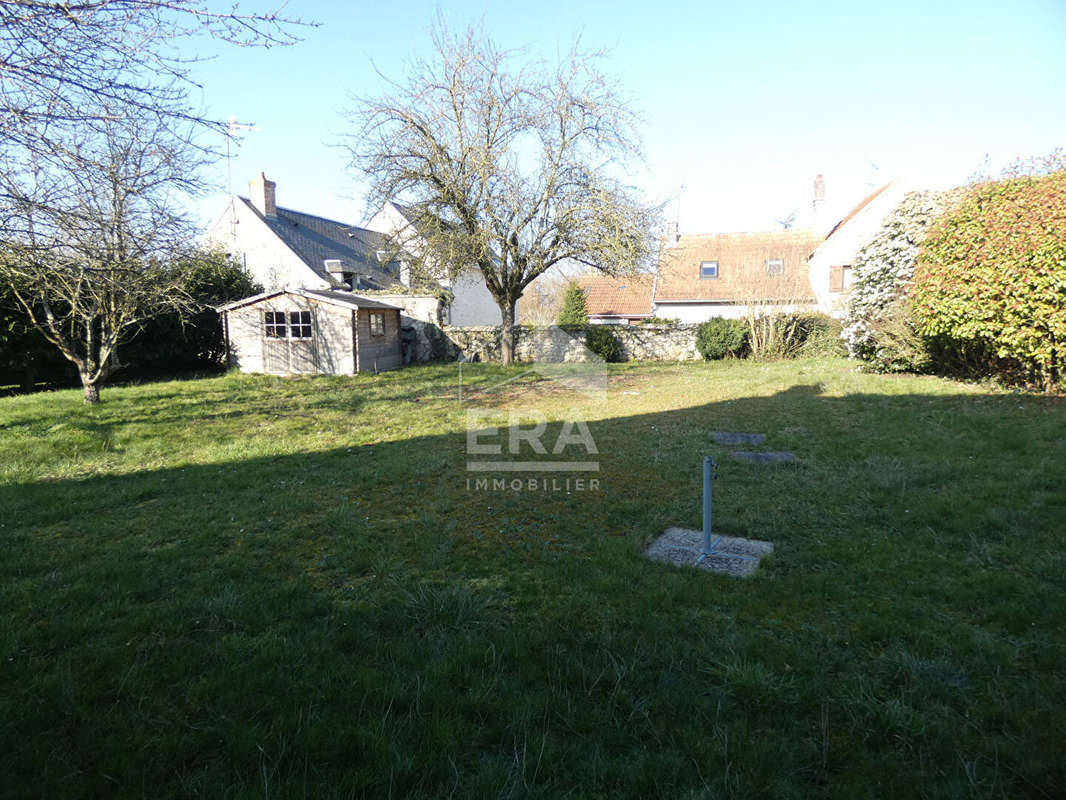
x=97 y=146
x=95 y=230
x=510 y=167
x=62 y=65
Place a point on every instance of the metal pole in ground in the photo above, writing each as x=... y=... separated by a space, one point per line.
x=708 y=476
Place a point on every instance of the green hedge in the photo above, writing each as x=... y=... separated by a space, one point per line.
x=990 y=284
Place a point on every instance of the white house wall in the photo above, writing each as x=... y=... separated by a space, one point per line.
x=473 y=304
x=701 y=312
x=253 y=245
x=841 y=248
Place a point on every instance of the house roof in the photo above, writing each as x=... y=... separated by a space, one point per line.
x=855 y=211
x=742 y=268
x=622 y=296
x=315 y=239
x=346 y=299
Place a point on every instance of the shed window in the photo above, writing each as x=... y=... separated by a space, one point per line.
x=377 y=324
x=275 y=324
x=300 y=324
x=775 y=266
x=708 y=269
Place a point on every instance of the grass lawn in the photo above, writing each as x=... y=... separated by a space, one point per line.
x=258 y=587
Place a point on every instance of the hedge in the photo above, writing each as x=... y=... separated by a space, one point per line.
x=990 y=282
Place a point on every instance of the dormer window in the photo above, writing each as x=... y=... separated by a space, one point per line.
x=775 y=266
x=708 y=269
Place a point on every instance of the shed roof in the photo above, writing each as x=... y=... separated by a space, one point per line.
x=742 y=268
x=622 y=296
x=346 y=299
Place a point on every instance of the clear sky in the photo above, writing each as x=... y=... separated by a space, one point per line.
x=744 y=102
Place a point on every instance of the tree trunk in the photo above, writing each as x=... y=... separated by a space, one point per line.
x=507 y=331
x=91 y=389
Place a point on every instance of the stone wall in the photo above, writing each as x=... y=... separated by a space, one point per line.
x=639 y=343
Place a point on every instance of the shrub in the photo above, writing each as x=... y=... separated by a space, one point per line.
x=818 y=335
x=166 y=344
x=602 y=341
x=883 y=269
x=991 y=277
x=573 y=313
x=894 y=343
x=659 y=321
x=26 y=357
x=717 y=338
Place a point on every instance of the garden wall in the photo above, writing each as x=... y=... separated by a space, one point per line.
x=639 y=343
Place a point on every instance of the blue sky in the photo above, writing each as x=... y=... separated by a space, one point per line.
x=744 y=103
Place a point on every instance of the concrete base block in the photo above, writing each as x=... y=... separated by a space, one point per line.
x=682 y=547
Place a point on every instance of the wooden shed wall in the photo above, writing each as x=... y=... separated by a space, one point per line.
x=378 y=352
x=330 y=350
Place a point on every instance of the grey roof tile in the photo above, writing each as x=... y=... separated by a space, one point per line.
x=315 y=239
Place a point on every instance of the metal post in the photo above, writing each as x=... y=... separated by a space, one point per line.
x=708 y=476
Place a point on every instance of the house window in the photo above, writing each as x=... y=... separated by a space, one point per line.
x=775 y=266
x=377 y=324
x=300 y=324
x=275 y=324
x=836 y=278
x=708 y=269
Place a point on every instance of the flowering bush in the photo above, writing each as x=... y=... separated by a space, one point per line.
x=883 y=269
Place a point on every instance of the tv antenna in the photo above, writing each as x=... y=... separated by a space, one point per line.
x=232 y=132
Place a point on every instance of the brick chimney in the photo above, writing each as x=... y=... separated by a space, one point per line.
x=263 y=193
x=818 y=202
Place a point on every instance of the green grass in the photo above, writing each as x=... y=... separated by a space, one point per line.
x=259 y=587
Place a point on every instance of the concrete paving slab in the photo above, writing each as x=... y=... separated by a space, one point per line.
x=725 y=437
x=764 y=458
x=682 y=547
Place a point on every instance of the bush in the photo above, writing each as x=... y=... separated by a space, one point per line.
x=884 y=267
x=991 y=278
x=894 y=343
x=166 y=344
x=26 y=357
x=602 y=341
x=818 y=335
x=573 y=313
x=718 y=337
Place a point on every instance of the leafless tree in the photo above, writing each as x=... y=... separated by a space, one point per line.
x=62 y=65
x=510 y=166
x=93 y=232
x=97 y=144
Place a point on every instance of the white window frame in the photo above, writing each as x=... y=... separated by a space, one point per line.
x=775 y=266
x=300 y=326
x=704 y=264
x=377 y=323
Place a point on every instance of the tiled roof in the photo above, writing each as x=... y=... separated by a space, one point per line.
x=742 y=268
x=622 y=296
x=851 y=214
x=315 y=239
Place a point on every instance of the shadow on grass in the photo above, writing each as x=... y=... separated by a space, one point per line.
x=363 y=621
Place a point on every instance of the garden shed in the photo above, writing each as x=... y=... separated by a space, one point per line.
x=309 y=331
